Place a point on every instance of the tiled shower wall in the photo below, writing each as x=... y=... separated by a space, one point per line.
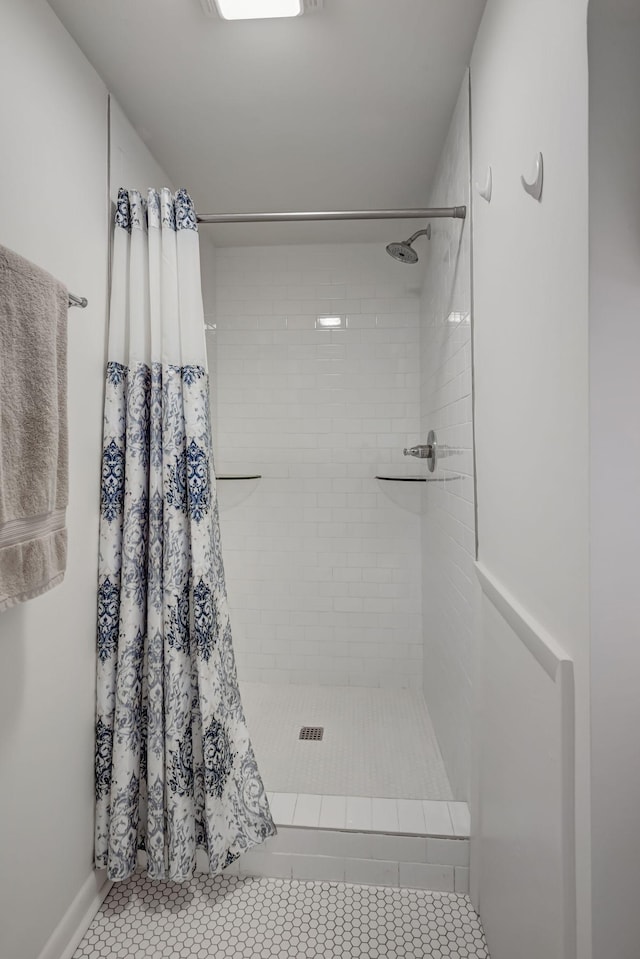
x=448 y=520
x=322 y=563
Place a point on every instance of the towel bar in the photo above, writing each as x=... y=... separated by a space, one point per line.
x=80 y=301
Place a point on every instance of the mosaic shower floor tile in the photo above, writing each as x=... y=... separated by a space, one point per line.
x=376 y=742
x=230 y=918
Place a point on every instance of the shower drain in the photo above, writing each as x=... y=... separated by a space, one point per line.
x=312 y=732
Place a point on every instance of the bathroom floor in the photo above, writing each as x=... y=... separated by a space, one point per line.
x=229 y=918
x=377 y=742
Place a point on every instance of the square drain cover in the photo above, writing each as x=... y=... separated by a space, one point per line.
x=312 y=732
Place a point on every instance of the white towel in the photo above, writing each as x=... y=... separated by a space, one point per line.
x=33 y=430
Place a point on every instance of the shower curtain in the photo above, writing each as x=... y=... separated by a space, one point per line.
x=175 y=769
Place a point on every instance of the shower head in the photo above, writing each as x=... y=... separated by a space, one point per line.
x=404 y=252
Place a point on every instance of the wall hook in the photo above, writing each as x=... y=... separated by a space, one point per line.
x=486 y=190
x=534 y=189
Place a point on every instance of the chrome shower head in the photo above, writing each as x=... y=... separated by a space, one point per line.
x=404 y=252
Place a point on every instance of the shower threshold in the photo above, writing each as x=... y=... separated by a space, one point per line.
x=383 y=842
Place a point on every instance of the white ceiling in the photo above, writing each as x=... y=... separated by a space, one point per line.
x=346 y=108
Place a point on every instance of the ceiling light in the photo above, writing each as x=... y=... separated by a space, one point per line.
x=258 y=9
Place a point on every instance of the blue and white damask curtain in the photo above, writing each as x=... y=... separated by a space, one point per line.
x=175 y=769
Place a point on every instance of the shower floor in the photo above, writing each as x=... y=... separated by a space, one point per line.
x=377 y=742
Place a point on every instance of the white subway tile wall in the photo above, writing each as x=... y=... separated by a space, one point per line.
x=323 y=567
x=448 y=517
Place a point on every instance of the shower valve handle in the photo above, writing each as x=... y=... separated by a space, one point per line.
x=426 y=451
x=422 y=452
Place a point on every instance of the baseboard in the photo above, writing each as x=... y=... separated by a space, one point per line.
x=69 y=932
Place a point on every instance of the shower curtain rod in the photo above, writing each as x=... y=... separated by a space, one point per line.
x=454 y=212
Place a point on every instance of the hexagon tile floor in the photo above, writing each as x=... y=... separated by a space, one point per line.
x=221 y=918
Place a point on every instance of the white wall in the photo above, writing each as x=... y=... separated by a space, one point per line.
x=448 y=519
x=132 y=165
x=53 y=175
x=529 y=94
x=323 y=566
x=614 y=157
